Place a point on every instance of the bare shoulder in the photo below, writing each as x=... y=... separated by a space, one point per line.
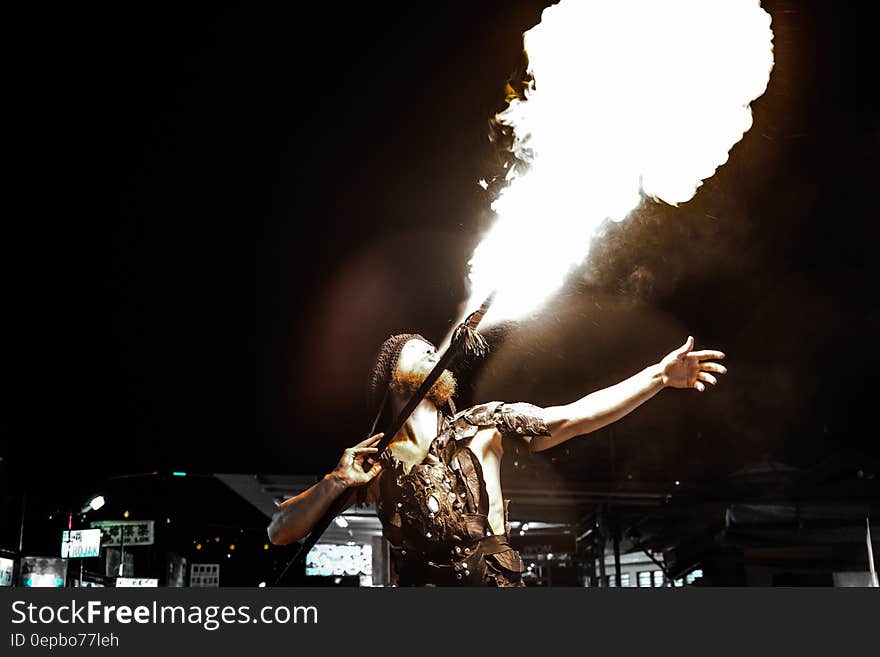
x=487 y=435
x=486 y=440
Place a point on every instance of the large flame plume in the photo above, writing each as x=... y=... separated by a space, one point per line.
x=628 y=99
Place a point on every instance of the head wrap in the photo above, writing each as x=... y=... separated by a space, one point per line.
x=386 y=365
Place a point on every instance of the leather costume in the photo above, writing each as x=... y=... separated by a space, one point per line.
x=437 y=514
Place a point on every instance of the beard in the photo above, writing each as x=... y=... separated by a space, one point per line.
x=406 y=384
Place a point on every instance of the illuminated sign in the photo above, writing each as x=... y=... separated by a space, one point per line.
x=327 y=559
x=80 y=543
x=6 y=568
x=136 y=582
x=125 y=532
x=43 y=571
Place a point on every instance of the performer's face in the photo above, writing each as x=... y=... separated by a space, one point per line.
x=417 y=359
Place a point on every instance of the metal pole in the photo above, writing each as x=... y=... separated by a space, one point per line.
x=600 y=548
x=121 y=550
x=617 y=556
x=594 y=576
x=871 y=568
x=21 y=524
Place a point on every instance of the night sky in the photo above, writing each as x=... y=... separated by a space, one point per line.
x=222 y=212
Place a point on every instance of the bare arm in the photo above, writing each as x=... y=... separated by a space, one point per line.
x=296 y=517
x=681 y=368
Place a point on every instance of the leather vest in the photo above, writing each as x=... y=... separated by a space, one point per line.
x=437 y=513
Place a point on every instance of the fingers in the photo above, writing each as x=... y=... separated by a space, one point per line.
x=352 y=453
x=713 y=367
x=708 y=353
x=708 y=378
x=365 y=474
x=376 y=469
x=699 y=386
x=372 y=440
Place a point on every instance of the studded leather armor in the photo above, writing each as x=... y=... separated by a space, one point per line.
x=437 y=513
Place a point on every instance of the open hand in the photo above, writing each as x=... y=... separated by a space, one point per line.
x=684 y=368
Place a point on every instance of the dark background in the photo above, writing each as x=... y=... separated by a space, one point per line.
x=216 y=214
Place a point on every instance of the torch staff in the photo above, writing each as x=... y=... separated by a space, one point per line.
x=465 y=340
x=871 y=570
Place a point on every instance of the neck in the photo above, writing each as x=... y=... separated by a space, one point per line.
x=421 y=426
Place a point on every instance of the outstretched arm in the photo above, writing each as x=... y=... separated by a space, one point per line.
x=681 y=368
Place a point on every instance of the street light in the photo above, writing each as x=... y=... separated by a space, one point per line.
x=93 y=504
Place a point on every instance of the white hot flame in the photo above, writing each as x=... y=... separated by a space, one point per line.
x=630 y=99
